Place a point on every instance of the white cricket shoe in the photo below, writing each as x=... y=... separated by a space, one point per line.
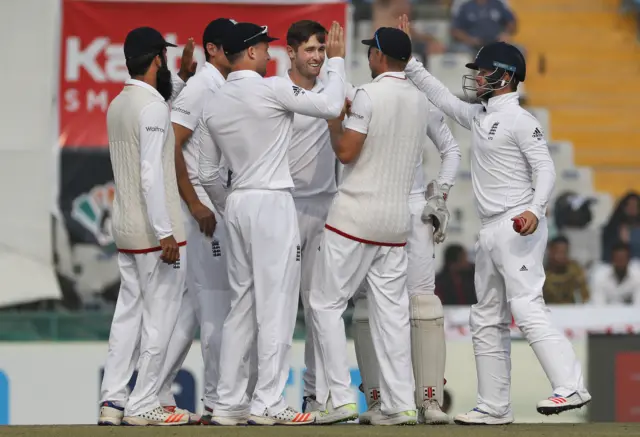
x=402 y=418
x=374 y=410
x=432 y=414
x=111 y=414
x=557 y=404
x=288 y=416
x=309 y=404
x=226 y=420
x=330 y=416
x=157 y=416
x=194 y=419
x=479 y=417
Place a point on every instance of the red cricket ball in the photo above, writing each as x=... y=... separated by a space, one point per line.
x=518 y=224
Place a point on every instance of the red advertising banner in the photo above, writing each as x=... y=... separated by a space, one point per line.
x=93 y=66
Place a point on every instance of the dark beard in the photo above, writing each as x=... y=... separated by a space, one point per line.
x=164 y=85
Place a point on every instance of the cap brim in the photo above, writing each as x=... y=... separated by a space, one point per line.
x=472 y=66
x=369 y=42
x=270 y=39
x=168 y=44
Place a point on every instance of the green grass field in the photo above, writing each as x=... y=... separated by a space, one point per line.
x=528 y=430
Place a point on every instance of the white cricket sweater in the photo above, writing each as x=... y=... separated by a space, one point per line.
x=372 y=203
x=132 y=230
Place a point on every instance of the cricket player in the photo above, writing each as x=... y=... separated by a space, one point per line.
x=426 y=206
x=207 y=298
x=250 y=122
x=365 y=234
x=508 y=151
x=149 y=233
x=313 y=169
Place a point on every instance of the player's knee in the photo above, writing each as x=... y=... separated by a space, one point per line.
x=531 y=317
x=426 y=307
x=361 y=310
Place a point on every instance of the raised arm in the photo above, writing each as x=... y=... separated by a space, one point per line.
x=327 y=104
x=440 y=134
x=439 y=95
x=436 y=92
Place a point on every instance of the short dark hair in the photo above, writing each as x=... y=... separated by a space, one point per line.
x=396 y=64
x=514 y=84
x=560 y=239
x=139 y=66
x=452 y=254
x=619 y=246
x=235 y=57
x=206 y=52
x=301 y=31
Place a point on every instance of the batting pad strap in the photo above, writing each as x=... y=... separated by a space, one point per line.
x=426 y=307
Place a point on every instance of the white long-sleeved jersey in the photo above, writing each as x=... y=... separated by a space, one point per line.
x=508 y=148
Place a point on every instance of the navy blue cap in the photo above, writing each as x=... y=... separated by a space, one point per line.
x=392 y=42
x=244 y=35
x=144 y=41
x=501 y=55
x=216 y=30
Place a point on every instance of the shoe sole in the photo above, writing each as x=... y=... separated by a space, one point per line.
x=341 y=420
x=462 y=422
x=108 y=423
x=548 y=411
x=437 y=422
x=148 y=423
x=407 y=423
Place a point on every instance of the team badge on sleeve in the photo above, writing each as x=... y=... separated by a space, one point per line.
x=297 y=90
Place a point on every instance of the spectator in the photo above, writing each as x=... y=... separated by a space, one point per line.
x=566 y=281
x=385 y=14
x=480 y=22
x=623 y=226
x=619 y=282
x=454 y=283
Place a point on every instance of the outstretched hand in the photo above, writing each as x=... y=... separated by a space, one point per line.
x=404 y=25
x=335 y=41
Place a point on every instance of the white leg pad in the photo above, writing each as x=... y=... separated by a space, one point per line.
x=428 y=350
x=365 y=352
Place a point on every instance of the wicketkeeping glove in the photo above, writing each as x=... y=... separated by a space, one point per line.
x=435 y=211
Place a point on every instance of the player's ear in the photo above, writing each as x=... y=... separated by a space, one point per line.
x=291 y=52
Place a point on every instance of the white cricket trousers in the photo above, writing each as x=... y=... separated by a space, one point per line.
x=205 y=303
x=264 y=274
x=143 y=322
x=509 y=277
x=312 y=215
x=342 y=266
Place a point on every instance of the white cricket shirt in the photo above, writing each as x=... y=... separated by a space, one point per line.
x=508 y=149
x=251 y=123
x=312 y=160
x=188 y=110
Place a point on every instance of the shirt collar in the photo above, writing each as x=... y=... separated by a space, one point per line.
x=319 y=85
x=242 y=74
x=497 y=102
x=214 y=72
x=145 y=85
x=391 y=74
